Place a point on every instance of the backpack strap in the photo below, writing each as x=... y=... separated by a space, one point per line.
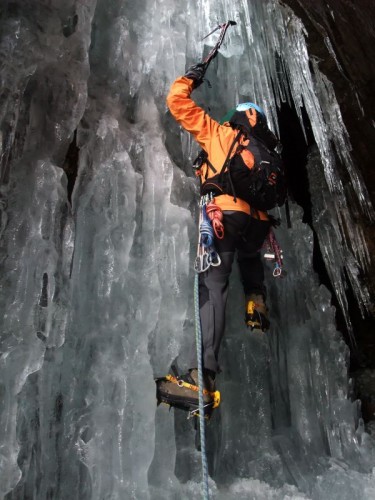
x=201 y=159
x=203 y=156
x=220 y=174
x=227 y=159
x=227 y=162
x=209 y=165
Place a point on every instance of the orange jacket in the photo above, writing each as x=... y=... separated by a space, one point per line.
x=214 y=138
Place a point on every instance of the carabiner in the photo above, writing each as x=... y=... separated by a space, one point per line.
x=201 y=263
x=213 y=257
x=277 y=271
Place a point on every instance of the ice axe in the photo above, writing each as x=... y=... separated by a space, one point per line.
x=213 y=52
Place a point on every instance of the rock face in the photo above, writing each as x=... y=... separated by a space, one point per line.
x=342 y=37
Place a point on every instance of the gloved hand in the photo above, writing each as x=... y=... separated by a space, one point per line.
x=196 y=73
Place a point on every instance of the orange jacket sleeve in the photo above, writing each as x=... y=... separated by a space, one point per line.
x=214 y=138
x=192 y=117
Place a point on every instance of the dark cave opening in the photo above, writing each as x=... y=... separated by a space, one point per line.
x=295 y=154
x=70 y=165
x=362 y=349
x=295 y=151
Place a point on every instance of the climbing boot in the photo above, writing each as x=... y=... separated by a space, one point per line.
x=182 y=391
x=256 y=313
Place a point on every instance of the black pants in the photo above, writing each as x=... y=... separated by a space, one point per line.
x=245 y=235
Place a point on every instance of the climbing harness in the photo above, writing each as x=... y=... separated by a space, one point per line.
x=206 y=254
x=274 y=254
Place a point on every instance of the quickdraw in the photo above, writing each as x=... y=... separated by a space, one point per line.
x=206 y=254
x=274 y=253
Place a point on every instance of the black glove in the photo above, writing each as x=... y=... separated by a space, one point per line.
x=196 y=73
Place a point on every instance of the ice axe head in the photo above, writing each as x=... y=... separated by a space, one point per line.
x=222 y=26
x=213 y=53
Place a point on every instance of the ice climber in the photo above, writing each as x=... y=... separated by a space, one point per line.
x=245 y=229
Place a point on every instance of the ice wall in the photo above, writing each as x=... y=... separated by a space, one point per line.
x=97 y=294
x=268 y=59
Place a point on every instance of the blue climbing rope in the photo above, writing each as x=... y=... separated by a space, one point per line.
x=205 y=229
x=198 y=339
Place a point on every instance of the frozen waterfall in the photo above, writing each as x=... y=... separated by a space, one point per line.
x=97 y=282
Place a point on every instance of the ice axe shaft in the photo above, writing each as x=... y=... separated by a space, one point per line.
x=213 y=52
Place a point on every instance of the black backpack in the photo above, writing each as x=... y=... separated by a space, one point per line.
x=264 y=186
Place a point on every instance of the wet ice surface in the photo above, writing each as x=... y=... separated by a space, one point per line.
x=97 y=298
